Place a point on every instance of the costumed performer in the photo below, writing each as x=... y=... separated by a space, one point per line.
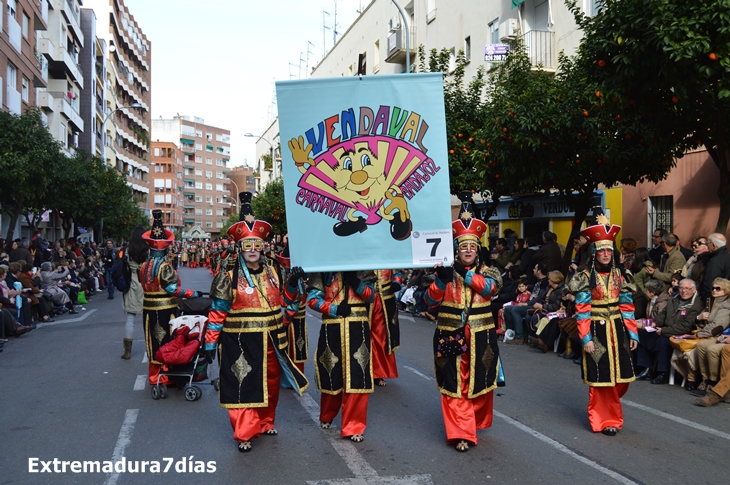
x=606 y=324
x=343 y=365
x=466 y=354
x=384 y=325
x=162 y=291
x=245 y=324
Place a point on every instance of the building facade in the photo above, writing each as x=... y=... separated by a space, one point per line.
x=167 y=182
x=267 y=167
x=206 y=152
x=22 y=70
x=125 y=127
x=243 y=178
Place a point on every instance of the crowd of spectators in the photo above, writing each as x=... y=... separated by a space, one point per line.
x=682 y=304
x=39 y=281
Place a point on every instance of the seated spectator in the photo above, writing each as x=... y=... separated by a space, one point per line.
x=628 y=247
x=521 y=295
x=717 y=264
x=721 y=390
x=695 y=266
x=673 y=261
x=532 y=245
x=501 y=255
x=549 y=253
x=708 y=349
x=514 y=315
x=21 y=252
x=582 y=255
x=551 y=303
x=517 y=249
x=657 y=298
x=677 y=318
x=50 y=283
x=22 y=273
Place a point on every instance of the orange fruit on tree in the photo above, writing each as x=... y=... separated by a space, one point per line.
x=713 y=56
x=675 y=99
x=601 y=63
x=598 y=94
x=451 y=152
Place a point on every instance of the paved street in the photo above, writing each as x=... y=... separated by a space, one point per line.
x=66 y=394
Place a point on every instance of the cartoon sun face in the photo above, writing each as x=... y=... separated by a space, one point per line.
x=360 y=174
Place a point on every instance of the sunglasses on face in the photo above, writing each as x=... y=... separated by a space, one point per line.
x=467 y=246
x=252 y=245
x=716 y=288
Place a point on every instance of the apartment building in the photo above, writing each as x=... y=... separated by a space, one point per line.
x=267 y=168
x=125 y=126
x=243 y=177
x=206 y=152
x=167 y=183
x=92 y=106
x=22 y=71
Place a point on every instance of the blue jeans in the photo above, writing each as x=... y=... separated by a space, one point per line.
x=109 y=283
x=513 y=316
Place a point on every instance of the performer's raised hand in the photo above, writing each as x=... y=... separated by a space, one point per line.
x=296 y=274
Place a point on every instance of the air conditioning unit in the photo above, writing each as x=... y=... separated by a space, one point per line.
x=509 y=30
x=394 y=24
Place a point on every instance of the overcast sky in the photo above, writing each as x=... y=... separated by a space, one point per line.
x=218 y=60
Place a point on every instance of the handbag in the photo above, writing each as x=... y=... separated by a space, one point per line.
x=569 y=325
x=684 y=343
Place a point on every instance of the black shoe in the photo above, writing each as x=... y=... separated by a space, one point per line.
x=73 y=312
x=644 y=375
x=110 y=297
x=691 y=386
x=661 y=378
x=571 y=356
x=578 y=361
x=348 y=228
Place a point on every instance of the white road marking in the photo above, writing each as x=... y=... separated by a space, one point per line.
x=140 y=382
x=364 y=473
x=125 y=437
x=677 y=419
x=616 y=476
x=418 y=373
x=70 y=320
x=560 y=447
x=144 y=358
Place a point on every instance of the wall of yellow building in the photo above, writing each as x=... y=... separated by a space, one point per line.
x=613 y=199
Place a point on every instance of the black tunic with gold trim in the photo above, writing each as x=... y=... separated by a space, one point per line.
x=466 y=301
x=245 y=319
x=343 y=357
x=384 y=289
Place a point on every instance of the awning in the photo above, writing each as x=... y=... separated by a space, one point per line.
x=191 y=167
x=189 y=180
x=516 y=3
x=192 y=142
x=209 y=147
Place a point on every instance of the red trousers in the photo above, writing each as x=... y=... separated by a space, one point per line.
x=384 y=366
x=604 y=406
x=248 y=423
x=154 y=371
x=354 y=411
x=464 y=416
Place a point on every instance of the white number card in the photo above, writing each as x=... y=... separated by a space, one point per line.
x=431 y=247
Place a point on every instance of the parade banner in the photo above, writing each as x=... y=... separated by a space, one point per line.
x=365 y=169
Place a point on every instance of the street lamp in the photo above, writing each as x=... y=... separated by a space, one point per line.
x=273 y=162
x=235 y=201
x=103 y=123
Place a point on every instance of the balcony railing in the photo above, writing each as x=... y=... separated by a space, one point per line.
x=540 y=47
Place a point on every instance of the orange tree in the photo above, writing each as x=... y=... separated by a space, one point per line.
x=268 y=205
x=664 y=67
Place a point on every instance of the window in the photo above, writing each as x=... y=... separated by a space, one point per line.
x=11 y=9
x=219 y=200
x=467 y=48
x=219 y=175
x=208 y=198
x=219 y=212
x=198 y=147
x=208 y=174
x=198 y=212
x=208 y=225
x=494 y=32
x=12 y=77
x=198 y=172
x=199 y=223
x=208 y=186
x=24 y=92
x=198 y=159
x=209 y=161
x=219 y=162
x=208 y=212
x=430 y=11
x=219 y=187
x=198 y=133
x=157 y=152
x=208 y=135
x=592 y=7
x=26 y=23
x=198 y=198
x=376 y=57
x=452 y=60
x=661 y=214
x=219 y=224
x=198 y=185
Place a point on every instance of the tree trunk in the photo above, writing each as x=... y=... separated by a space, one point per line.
x=721 y=157
x=66 y=224
x=582 y=206
x=14 y=216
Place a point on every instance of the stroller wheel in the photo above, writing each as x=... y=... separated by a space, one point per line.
x=216 y=383
x=199 y=392
x=191 y=394
x=155 y=393
x=163 y=391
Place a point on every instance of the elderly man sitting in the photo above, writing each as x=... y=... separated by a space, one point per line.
x=677 y=318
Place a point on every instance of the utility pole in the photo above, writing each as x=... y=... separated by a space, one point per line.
x=306 y=74
x=324 y=27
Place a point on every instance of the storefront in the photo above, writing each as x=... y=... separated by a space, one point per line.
x=530 y=216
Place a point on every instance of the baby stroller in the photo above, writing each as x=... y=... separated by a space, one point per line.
x=184 y=355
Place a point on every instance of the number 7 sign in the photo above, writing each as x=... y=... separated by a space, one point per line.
x=431 y=247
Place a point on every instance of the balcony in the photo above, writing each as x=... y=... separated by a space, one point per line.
x=59 y=60
x=397 y=46
x=13 y=101
x=540 y=46
x=13 y=32
x=70 y=11
x=64 y=106
x=224 y=150
x=45 y=101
